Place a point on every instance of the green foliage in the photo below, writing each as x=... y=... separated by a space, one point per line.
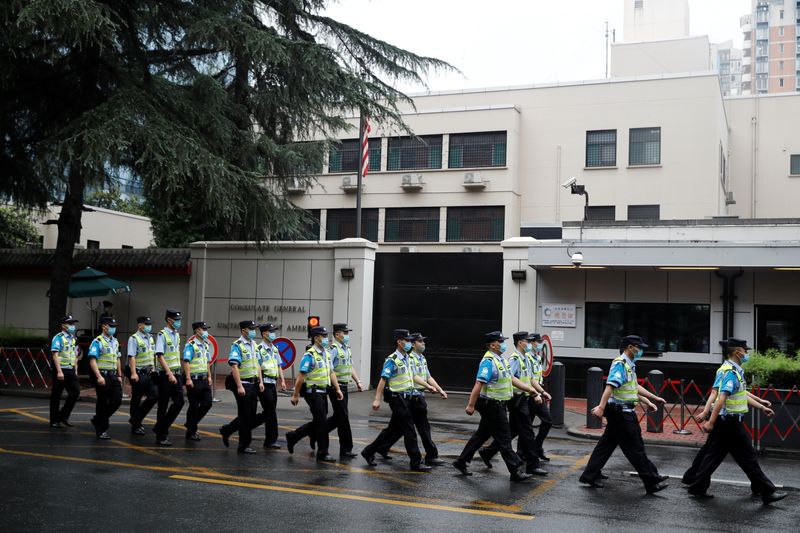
x=11 y=337
x=774 y=368
x=16 y=228
x=112 y=199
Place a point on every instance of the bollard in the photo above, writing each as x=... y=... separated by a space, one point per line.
x=655 y=420
x=214 y=382
x=594 y=391
x=682 y=430
x=555 y=387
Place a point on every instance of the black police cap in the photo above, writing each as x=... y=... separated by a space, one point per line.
x=418 y=337
x=341 y=327
x=520 y=336
x=494 y=336
x=269 y=326
x=319 y=330
x=534 y=337
x=733 y=342
x=247 y=324
x=146 y=320
x=173 y=313
x=636 y=340
x=200 y=324
x=401 y=334
x=68 y=319
x=110 y=320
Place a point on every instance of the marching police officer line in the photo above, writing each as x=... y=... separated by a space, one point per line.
x=503 y=386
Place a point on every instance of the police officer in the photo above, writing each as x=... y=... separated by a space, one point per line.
x=272 y=376
x=397 y=381
x=169 y=379
x=535 y=357
x=618 y=404
x=63 y=350
x=106 y=374
x=519 y=409
x=417 y=405
x=141 y=364
x=246 y=384
x=342 y=361
x=727 y=431
x=196 y=359
x=315 y=377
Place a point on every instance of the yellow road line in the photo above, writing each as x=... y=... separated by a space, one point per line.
x=29 y=415
x=387 y=501
x=577 y=464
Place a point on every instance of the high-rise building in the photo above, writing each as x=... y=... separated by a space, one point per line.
x=771 y=61
x=728 y=64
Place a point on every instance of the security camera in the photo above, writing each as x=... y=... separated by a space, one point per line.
x=577 y=259
x=570 y=182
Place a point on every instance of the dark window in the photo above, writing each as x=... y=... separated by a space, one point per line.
x=469 y=150
x=601 y=148
x=546 y=232
x=665 y=327
x=341 y=224
x=309 y=229
x=127 y=247
x=475 y=223
x=412 y=224
x=92 y=245
x=415 y=153
x=601 y=212
x=778 y=327
x=644 y=212
x=795 y=165
x=345 y=157
x=645 y=146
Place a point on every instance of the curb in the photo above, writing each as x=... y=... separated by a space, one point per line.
x=577 y=432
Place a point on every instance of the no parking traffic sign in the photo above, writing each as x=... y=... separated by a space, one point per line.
x=287 y=351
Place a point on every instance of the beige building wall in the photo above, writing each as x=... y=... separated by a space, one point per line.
x=112 y=229
x=649 y=20
x=673 y=56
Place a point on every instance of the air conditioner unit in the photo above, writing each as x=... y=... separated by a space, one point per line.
x=411 y=182
x=295 y=187
x=350 y=184
x=729 y=200
x=408 y=249
x=470 y=249
x=474 y=182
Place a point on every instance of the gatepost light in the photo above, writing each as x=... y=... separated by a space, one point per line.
x=519 y=275
x=348 y=273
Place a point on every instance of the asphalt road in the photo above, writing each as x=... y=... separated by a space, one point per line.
x=66 y=480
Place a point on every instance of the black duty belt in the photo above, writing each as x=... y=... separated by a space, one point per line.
x=108 y=372
x=144 y=370
x=198 y=376
x=492 y=400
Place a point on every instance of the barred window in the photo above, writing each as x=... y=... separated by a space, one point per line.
x=344 y=156
x=309 y=230
x=644 y=212
x=341 y=224
x=468 y=150
x=414 y=224
x=601 y=212
x=601 y=148
x=794 y=165
x=645 y=146
x=483 y=223
x=415 y=153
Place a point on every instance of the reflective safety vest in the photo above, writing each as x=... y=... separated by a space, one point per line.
x=199 y=362
x=525 y=371
x=736 y=403
x=344 y=363
x=67 y=356
x=420 y=368
x=269 y=361
x=145 y=350
x=107 y=360
x=538 y=368
x=501 y=389
x=249 y=366
x=172 y=352
x=320 y=373
x=628 y=392
x=403 y=379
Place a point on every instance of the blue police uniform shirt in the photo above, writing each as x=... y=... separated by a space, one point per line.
x=95 y=349
x=717 y=380
x=487 y=371
x=58 y=344
x=730 y=382
x=235 y=356
x=515 y=367
x=618 y=374
x=273 y=353
x=133 y=346
x=390 y=367
x=161 y=344
x=307 y=362
x=188 y=352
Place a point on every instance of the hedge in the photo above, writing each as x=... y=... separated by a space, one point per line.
x=11 y=337
x=774 y=368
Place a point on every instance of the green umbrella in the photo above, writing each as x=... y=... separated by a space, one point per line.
x=90 y=282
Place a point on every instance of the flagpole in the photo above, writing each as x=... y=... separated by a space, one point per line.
x=361 y=134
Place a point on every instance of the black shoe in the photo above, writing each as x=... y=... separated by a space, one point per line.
x=163 y=441
x=290 y=442
x=662 y=479
x=272 y=446
x=247 y=450
x=385 y=455
x=487 y=460
x=327 y=458
x=104 y=436
x=656 y=488
x=602 y=476
x=754 y=493
x=225 y=437
x=421 y=468
x=520 y=476
x=369 y=458
x=312 y=443
x=701 y=495
x=193 y=436
x=461 y=467
x=543 y=457
x=773 y=497
x=137 y=431
x=536 y=471
x=68 y=423
x=434 y=461
x=347 y=455
x=56 y=425
x=595 y=484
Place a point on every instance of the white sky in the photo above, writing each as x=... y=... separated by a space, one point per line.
x=516 y=42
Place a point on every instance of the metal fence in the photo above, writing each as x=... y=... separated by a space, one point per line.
x=25 y=368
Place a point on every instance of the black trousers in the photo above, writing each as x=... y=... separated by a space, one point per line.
x=269 y=417
x=71 y=384
x=246 y=407
x=340 y=420
x=199 y=403
x=730 y=437
x=493 y=424
x=318 y=427
x=520 y=424
x=170 y=402
x=109 y=398
x=622 y=430
x=144 y=388
x=419 y=414
x=542 y=410
x=401 y=422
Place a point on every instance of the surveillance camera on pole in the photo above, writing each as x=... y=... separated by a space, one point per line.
x=570 y=182
x=577 y=259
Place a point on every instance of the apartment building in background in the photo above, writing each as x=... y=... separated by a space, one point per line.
x=771 y=58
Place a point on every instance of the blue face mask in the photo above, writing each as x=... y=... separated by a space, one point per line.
x=638 y=354
x=148 y=328
x=503 y=347
x=176 y=324
x=421 y=348
x=204 y=334
x=251 y=334
x=746 y=358
x=407 y=347
x=111 y=331
x=272 y=336
x=324 y=342
x=539 y=347
x=346 y=339
x=528 y=347
x=70 y=328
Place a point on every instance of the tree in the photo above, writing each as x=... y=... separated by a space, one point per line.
x=208 y=100
x=16 y=228
x=112 y=199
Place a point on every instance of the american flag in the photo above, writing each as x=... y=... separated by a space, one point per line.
x=366 y=129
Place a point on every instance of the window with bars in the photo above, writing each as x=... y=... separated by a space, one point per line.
x=644 y=212
x=345 y=156
x=412 y=224
x=415 y=153
x=476 y=223
x=794 y=165
x=601 y=148
x=341 y=224
x=601 y=212
x=309 y=230
x=469 y=150
x=645 y=146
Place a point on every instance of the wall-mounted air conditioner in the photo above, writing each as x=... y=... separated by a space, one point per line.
x=474 y=182
x=412 y=182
